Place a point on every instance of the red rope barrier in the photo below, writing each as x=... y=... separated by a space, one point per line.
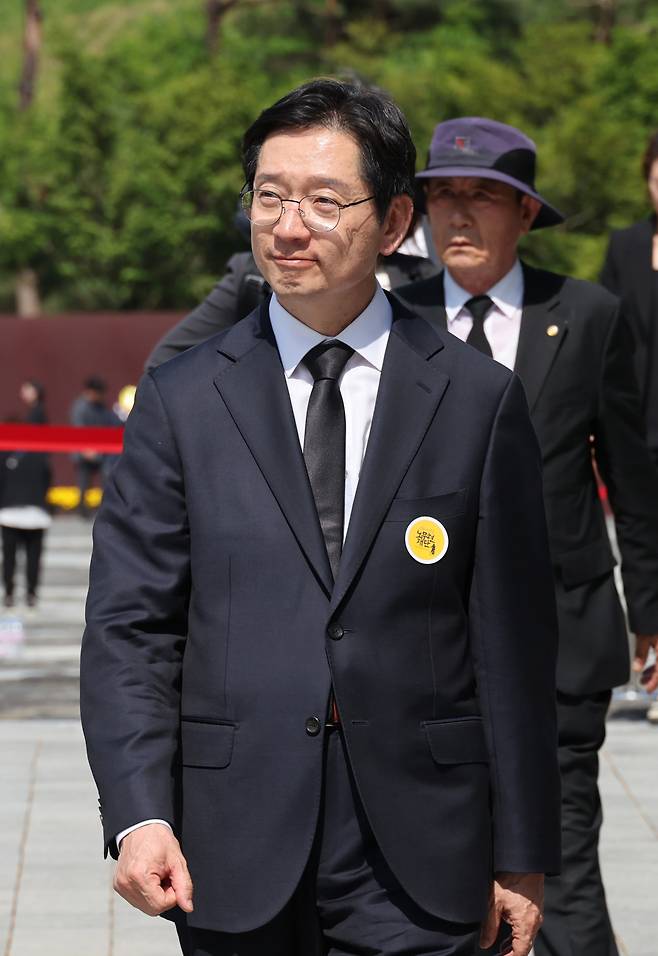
x=62 y=438
x=69 y=438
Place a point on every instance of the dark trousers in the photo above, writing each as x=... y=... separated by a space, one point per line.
x=32 y=541
x=576 y=920
x=86 y=471
x=348 y=902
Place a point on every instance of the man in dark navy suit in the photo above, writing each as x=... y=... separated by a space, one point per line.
x=570 y=346
x=318 y=669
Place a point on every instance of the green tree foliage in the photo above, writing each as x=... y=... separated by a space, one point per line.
x=119 y=185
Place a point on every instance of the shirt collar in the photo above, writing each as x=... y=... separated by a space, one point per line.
x=367 y=334
x=507 y=294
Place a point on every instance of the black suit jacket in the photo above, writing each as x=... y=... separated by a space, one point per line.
x=583 y=398
x=214 y=629
x=628 y=273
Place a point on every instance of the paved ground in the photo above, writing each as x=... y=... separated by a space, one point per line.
x=40 y=649
x=55 y=892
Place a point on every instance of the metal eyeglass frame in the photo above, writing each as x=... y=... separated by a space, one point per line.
x=340 y=206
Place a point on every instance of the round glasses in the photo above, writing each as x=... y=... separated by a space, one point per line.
x=319 y=213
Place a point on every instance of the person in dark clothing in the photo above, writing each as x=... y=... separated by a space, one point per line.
x=90 y=410
x=630 y=271
x=33 y=395
x=243 y=288
x=569 y=344
x=24 y=518
x=286 y=647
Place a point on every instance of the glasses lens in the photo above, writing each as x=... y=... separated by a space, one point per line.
x=262 y=207
x=320 y=213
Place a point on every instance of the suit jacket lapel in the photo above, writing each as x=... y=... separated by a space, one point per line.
x=544 y=326
x=252 y=385
x=409 y=393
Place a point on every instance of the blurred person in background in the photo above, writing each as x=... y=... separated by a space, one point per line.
x=24 y=516
x=124 y=403
x=568 y=342
x=90 y=410
x=243 y=288
x=33 y=396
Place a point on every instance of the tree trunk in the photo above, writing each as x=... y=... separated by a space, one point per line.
x=333 y=27
x=215 y=11
x=606 y=19
x=31 y=51
x=28 y=304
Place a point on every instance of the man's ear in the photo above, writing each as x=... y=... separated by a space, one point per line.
x=529 y=211
x=396 y=224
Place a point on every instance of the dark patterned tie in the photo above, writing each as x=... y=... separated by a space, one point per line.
x=324 y=442
x=478 y=306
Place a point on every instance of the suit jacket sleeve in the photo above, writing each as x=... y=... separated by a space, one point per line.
x=609 y=273
x=513 y=627
x=217 y=312
x=629 y=475
x=136 y=613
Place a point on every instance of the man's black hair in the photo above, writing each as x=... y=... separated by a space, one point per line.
x=650 y=155
x=95 y=384
x=370 y=117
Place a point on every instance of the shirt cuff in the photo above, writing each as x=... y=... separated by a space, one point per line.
x=124 y=833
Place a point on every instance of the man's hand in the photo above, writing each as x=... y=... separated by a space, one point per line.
x=642 y=645
x=518 y=898
x=152 y=873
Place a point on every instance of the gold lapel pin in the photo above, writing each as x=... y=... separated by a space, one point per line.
x=552 y=330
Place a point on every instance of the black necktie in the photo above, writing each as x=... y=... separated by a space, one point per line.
x=478 y=306
x=324 y=442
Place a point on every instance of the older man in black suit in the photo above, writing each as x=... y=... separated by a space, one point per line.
x=570 y=346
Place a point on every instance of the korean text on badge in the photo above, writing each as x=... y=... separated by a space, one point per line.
x=426 y=540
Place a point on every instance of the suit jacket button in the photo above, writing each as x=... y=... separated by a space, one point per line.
x=335 y=632
x=313 y=726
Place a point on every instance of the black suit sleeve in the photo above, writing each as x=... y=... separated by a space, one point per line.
x=513 y=628
x=137 y=625
x=219 y=311
x=630 y=477
x=609 y=273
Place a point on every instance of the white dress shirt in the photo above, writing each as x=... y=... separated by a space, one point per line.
x=502 y=325
x=359 y=383
x=368 y=336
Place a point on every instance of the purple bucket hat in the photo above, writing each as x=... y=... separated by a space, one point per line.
x=483 y=148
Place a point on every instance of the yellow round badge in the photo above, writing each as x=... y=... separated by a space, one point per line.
x=426 y=540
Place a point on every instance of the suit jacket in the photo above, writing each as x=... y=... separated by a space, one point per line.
x=575 y=361
x=627 y=272
x=242 y=290
x=215 y=630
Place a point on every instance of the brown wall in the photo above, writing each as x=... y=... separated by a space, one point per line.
x=60 y=351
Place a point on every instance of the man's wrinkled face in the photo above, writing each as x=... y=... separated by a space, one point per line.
x=296 y=261
x=476 y=225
